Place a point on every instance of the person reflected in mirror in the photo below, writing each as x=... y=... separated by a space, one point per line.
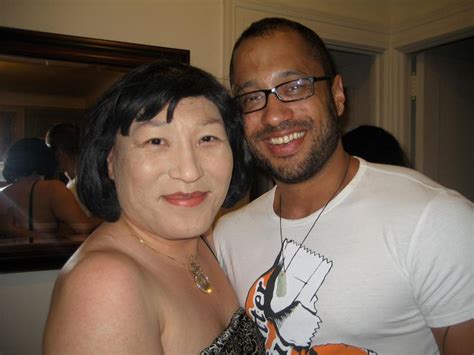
x=64 y=139
x=34 y=205
x=161 y=155
x=374 y=144
x=342 y=255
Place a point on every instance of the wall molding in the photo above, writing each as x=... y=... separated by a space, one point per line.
x=392 y=100
x=311 y=14
x=447 y=24
x=338 y=32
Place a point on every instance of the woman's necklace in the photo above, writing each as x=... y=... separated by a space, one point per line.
x=281 y=279
x=200 y=278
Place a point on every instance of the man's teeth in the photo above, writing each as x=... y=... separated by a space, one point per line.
x=286 y=139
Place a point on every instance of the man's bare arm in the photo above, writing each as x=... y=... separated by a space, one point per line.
x=457 y=339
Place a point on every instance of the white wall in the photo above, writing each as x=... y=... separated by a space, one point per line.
x=24 y=303
x=186 y=24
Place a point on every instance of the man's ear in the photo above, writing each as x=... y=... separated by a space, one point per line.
x=337 y=90
x=110 y=165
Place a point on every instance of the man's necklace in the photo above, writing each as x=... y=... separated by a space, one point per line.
x=200 y=278
x=281 y=279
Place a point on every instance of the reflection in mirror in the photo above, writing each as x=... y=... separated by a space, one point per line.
x=46 y=79
x=35 y=94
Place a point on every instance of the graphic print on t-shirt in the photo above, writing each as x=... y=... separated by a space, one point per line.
x=283 y=303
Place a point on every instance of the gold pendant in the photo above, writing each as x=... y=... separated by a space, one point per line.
x=200 y=279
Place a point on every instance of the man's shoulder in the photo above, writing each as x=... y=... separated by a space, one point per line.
x=399 y=172
x=407 y=186
x=400 y=177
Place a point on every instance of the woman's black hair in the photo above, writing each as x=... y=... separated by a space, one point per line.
x=139 y=96
x=27 y=157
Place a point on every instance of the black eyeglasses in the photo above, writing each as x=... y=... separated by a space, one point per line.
x=294 y=90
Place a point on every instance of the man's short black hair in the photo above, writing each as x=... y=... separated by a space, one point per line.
x=64 y=136
x=270 y=25
x=139 y=96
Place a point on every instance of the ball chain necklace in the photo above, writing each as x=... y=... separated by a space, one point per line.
x=281 y=279
x=199 y=277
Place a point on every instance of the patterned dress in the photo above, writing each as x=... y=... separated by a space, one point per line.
x=240 y=337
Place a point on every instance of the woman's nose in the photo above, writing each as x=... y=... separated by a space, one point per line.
x=186 y=166
x=275 y=112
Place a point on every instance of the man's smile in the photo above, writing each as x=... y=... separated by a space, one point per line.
x=287 y=138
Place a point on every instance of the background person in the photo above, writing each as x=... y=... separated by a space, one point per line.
x=33 y=205
x=157 y=163
x=374 y=144
x=342 y=256
x=64 y=139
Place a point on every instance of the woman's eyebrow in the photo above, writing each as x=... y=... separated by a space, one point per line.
x=213 y=120
x=205 y=122
x=154 y=123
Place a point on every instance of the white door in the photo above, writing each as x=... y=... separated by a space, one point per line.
x=356 y=70
x=444 y=115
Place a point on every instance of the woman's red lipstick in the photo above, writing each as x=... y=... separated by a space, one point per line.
x=186 y=199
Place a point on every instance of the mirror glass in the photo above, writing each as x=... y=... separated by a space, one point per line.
x=35 y=94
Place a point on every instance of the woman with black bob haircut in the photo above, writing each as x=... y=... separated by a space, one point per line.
x=162 y=153
x=139 y=96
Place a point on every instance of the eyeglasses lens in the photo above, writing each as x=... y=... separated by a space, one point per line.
x=287 y=92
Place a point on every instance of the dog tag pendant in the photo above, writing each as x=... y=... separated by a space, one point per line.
x=281 y=284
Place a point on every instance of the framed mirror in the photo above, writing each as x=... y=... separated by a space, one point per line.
x=48 y=78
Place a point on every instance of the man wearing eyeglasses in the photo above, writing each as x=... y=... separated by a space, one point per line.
x=341 y=256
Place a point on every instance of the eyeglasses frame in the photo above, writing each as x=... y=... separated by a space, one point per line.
x=273 y=90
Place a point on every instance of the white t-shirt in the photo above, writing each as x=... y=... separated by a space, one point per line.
x=389 y=258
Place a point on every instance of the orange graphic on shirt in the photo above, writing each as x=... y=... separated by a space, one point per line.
x=286 y=314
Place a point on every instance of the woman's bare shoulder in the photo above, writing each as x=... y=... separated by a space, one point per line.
x=52 y=186
x=101 y=293
x=52 y=183
x=102 y=266
x=99 y=264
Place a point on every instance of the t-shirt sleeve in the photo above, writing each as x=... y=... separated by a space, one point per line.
x=440 y=260
x=218 y=238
